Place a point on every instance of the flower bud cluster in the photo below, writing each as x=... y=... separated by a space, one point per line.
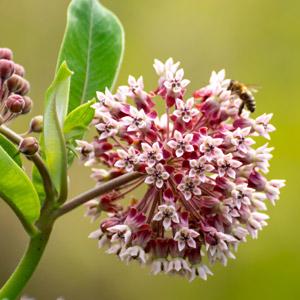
x=205 y=182
x=13 y=88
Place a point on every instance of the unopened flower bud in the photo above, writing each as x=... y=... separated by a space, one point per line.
x=36 y=124
x=25 y=88
x=6 y=53
x=15 y=103
x=19 y=70
x=17 y=84
x=6 y=69
x=27 y=106
x=29 y=146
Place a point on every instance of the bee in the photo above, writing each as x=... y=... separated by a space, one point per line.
x=244 y=93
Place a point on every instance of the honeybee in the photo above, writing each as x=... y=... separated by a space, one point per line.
x=244 y=93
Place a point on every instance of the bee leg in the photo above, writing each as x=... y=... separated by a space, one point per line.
x=241 y=108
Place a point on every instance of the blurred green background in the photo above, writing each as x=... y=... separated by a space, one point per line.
x=256 y=42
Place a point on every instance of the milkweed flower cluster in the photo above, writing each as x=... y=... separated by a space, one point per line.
x=13 y=88
x=205 y=184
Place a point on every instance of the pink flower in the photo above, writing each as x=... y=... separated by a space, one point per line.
x=162 y=69
x=240 y=139
x=108 y=128
x=242 y=195
x=200 y=270
x=185 y=238
x=136 y=121
x=128 y=159
x=262 y=125
x=151 y=154
x=200 y=168
x=157 y=175
x=181 y=143
x=85 y=149
x=174 y=81
x=227 y=165
x=209 y=147
x=167 y=214
x=121 y=233
x=185 y=110
x=190 y=186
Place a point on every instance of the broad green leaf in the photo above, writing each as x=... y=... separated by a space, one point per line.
x=76 y=124
x=54 y=148
x=11 y=150
x=92 y=47
x=17 y=190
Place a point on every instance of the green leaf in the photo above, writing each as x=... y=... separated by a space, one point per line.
x=54 y=148
x=17 y=190
x=76 y=124
x=11 y=150
x=92 y=47
x=78 y=120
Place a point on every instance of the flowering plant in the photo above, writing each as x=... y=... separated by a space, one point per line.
x=204 y=185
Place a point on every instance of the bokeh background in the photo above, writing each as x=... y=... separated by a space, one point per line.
x=256 y=42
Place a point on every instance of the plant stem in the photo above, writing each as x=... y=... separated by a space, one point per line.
x=95 y=192
x=36 y=159
x=15 y=284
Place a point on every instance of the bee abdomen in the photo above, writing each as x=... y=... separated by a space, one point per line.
x=249 y=101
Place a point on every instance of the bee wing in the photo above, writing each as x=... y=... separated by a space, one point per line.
x=253 y=88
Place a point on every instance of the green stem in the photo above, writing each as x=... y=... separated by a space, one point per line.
x=15 y=284
x=36 y=159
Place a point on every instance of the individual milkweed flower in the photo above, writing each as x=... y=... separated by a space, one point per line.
x=128 y=159
x=157 y=175
x=135 y=86
x=121 y=233
x=262 y=125
x=200 y=270
x=261 y=156
x=272 y=189
x=175 y=83
x=108 y=128
x=162 y=69
x=228 y=165
x=185 y=237
x=204 y=179
x=100 y=236
x=199 y=168
x=135 y=90
x=166 y=213
x=240 y=139
x=209 y=147
x=104 y=99
x=181 y=143
x=242 y=194
x=151 y=154
x=135 y=252
x=136 y=120
x=189 y=187
x=218 y=81
x=85 y=149
x=255 y=222
x=185 y=110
